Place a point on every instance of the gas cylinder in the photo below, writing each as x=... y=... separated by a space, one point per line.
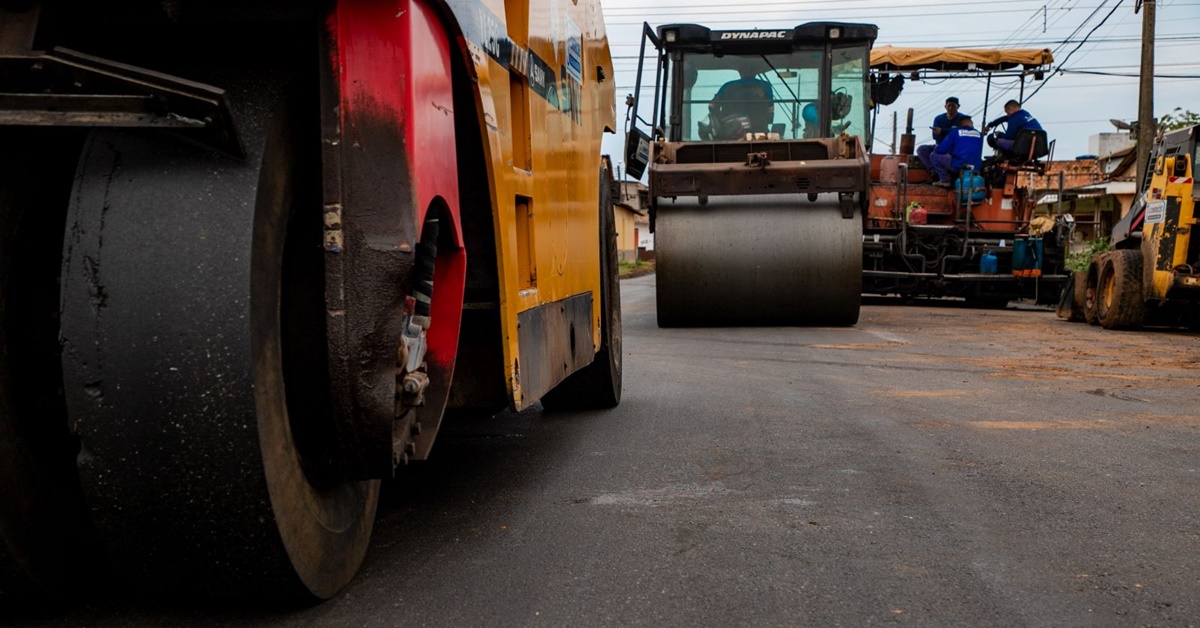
x=1035 y=250
x=988 y=263
x=1020 y=263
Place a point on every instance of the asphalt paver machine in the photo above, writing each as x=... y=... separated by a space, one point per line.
x=979 y=239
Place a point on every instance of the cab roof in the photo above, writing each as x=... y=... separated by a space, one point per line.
x=762 y=40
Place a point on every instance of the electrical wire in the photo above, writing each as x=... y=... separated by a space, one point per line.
x=1076 y=49
x=1037 y=30
x=1130 y=75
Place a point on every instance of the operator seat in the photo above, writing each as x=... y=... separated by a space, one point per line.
x=1028 y=148
x=1029 y=145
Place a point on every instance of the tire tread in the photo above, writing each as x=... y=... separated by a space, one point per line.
x=1126 y=309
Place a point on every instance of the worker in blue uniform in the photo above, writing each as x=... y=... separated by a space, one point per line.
x=962 y=147
x=1016 y=120
x=942 y=125
x=748 y=98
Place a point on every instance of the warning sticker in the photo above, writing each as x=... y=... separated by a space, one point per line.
x=1156 y=211
x=643 y=150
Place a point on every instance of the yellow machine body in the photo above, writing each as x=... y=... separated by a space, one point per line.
x=1167 y=231
x=378 y=211
x=544 y=173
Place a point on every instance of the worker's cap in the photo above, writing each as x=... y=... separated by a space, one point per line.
x=952 y=99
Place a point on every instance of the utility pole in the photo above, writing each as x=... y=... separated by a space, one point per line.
x=1146 y=123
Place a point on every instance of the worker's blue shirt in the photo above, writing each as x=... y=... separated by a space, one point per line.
x=1018 y=121
x=946 y=124
x=965 y=147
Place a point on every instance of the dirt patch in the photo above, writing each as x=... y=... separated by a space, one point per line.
x=1041 y=425
x=1167 y=419
x=1029 y=346
x=863 y=345
x=923 y=393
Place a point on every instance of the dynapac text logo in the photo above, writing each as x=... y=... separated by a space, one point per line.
x=756 y=35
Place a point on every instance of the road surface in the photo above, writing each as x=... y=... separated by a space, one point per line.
x=932 y=466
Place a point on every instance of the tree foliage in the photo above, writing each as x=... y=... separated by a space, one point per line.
x=1078 y=261
x=1178 y=119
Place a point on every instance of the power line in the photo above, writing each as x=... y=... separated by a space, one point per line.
x=976 y=43
x=931 y=101
x=1075 y=29
x=1005 y=93
x=1016 y=39
x=1111 y=29
x=790 y=7
x=1129 y=75
x=1076 y=49
x=763 y=20
x=1184 y=64
x=841 y=5
x=790 y=18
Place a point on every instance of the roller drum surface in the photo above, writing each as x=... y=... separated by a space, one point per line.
x=757 y=260
x=174 y=281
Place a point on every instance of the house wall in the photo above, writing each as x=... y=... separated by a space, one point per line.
x=645 y=238
x=633 y=229
x=1095 y=211
x=627 y=233
x=1106 y=143
x=1094 y=215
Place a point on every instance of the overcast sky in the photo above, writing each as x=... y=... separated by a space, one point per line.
x=1084 y=35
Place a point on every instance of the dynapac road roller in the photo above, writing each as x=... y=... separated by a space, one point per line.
x=758 y=175
x=251 y=251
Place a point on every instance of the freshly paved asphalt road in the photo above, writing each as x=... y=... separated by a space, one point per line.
x=937 y=466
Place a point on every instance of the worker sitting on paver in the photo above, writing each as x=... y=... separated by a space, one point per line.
x=1017 y=120
x=962 y=147
x=942 y=125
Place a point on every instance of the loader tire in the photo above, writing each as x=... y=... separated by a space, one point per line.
x=598 y=385
x=1091 y=291
x=1071 y=299
x=1119 y=303
x=1066 y=301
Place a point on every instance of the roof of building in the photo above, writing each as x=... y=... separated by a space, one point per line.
x=636 y=211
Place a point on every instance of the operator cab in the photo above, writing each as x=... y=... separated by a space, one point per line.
x=806 y=82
